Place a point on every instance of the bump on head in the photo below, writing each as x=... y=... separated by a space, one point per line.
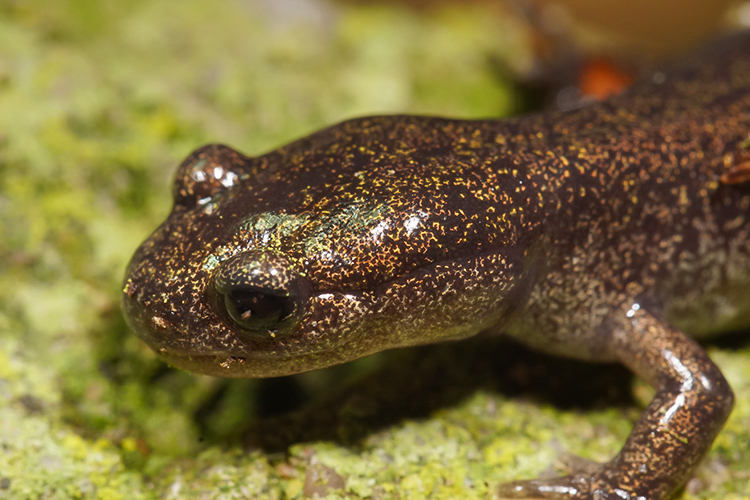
x=205 y=173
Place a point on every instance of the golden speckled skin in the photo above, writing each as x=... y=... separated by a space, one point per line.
x=608 y=233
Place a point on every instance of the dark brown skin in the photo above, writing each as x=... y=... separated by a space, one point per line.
x=609 y=233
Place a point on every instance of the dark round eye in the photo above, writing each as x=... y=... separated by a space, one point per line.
x=258 y=310
x=257 y=294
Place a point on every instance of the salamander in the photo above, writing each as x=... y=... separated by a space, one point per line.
x=616 y=232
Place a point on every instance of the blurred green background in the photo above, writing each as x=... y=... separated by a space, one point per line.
x=99 y=102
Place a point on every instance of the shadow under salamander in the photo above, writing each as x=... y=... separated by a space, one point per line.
x=413 y=383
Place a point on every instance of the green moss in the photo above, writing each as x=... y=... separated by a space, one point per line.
x=100 y=101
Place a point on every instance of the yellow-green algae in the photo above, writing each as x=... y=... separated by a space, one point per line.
x=99 y=101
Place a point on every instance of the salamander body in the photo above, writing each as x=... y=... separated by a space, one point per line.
x=615 y=232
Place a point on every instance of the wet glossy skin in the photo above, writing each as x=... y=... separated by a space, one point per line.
x=610 y=233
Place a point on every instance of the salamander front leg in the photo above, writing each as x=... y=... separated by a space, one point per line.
x=692 y=402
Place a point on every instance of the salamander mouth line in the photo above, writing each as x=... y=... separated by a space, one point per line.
x=247 y=356
x=234 y=366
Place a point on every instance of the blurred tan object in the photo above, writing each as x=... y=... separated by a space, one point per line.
x=650 y=28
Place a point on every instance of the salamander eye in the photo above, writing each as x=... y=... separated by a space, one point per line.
x=257 y=295
x=260 y=310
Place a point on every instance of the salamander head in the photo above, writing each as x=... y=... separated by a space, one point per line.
x=310 y=257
